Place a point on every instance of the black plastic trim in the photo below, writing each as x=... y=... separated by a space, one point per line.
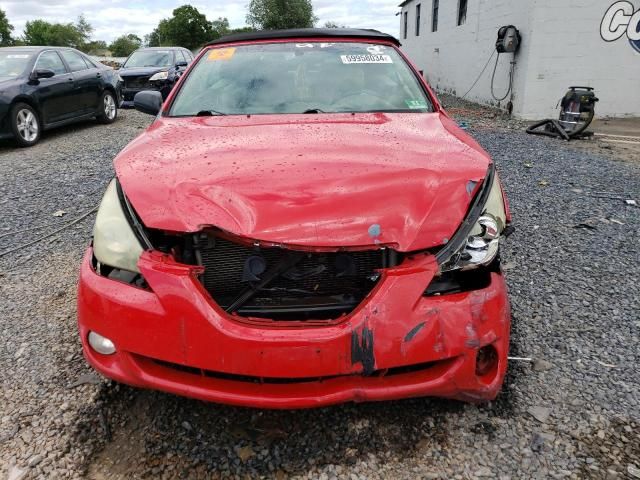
x=132 y=218
x=460 y=237
x=306 y=33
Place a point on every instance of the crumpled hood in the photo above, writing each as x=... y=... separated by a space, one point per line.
x=339 y=180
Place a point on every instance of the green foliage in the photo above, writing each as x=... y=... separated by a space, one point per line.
x=219 y=27
x=94 y=47
x=186 y=28
x=152 y=39
x=241 y=30
x=40 y=32
x=281 y=14
x=124 y=45
x=5 y=30
x=334 y=25
x=84 y=28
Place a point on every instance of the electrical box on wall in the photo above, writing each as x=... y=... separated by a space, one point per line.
x=509 y=39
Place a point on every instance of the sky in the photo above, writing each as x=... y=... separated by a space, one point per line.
x=112 y=18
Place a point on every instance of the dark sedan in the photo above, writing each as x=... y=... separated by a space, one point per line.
x=46 y=87
x=157 y=68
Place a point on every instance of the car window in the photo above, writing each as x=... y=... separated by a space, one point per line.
x=150 y=58
x=14 y=62
x=90 y=62
x=75 y=61
x=180 y=56
x=296 y=77
x=51 y=61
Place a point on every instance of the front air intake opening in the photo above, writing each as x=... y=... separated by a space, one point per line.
x=280 y=284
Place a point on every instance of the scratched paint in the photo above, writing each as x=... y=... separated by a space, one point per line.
x=362 y=350
x=414 y=331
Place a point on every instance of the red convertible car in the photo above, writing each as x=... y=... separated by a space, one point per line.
x=301 y=225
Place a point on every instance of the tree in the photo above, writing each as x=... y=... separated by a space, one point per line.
x=334 y=25
x=281 y=14
x=152 y=39
x=124 y=45
x=84 y=29
x=94 y=46
x=241 y=30
x=186 y=28
x=40 y=32
x=5 y=30
x=219 y=28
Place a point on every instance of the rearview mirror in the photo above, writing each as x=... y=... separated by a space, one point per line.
x=148 y=101
x=42 y=73
x=181 y=64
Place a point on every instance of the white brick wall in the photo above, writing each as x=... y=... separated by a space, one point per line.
x=561 y=47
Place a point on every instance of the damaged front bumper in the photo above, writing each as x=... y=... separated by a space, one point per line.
x=397 y=343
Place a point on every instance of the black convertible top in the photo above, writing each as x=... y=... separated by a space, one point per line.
x=364 y=34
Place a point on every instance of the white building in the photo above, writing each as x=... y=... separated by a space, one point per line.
x=593 y=43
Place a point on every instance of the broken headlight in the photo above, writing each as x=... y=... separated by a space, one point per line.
x=114 y=242
x=478 y=239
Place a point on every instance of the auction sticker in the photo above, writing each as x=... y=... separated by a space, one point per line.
x=349 y=59
x=416 y=104
x=220 y=54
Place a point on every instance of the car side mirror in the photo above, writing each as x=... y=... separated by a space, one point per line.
x=181 y=64
x=42 y=73
x=148 y=101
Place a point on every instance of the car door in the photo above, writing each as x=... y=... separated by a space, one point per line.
x=54 y=93
x=87 y=82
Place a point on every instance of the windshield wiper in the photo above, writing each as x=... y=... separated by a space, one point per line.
x=209 y=113
x=314 y=110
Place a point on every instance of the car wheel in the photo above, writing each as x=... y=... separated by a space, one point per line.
x=108 y=108
x=25 y=124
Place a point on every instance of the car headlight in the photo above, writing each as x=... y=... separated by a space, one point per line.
x=478 y=239
x=114 y=242
x=159 y=76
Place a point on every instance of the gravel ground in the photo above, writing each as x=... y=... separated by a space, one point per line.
x=573 y=271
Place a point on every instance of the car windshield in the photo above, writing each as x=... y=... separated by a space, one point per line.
x=150 y=58
x=13 y=63
x=310 y=77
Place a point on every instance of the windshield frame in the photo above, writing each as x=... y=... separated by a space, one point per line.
x=146 y=50
x=433 y=107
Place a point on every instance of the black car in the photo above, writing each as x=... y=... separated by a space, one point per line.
x=46 y=87
x=156 y=68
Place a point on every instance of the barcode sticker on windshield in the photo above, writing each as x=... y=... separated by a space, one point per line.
x=348 y=59
x=18 y=56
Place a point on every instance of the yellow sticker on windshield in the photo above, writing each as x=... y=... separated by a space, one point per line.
x=221 y=54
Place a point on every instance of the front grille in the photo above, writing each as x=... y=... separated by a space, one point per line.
x=319 y=286
x=389 y=372
x=137 y=83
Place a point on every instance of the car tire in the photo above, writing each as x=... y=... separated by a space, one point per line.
x=25 y=124
x=108 y=109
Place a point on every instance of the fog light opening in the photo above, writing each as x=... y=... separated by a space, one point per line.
x=101 y=344
x=487 y=363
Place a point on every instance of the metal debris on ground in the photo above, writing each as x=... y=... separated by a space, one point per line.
x=541 y=414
